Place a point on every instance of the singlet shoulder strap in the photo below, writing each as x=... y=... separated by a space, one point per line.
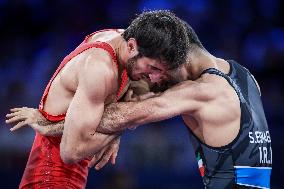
x=88 y=36
x=228 y=78
x=81 y=48
x=109 y=49
x=98 y=44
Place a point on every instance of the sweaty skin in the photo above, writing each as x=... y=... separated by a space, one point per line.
x=69 y=93
x=190 y=99
x=21 y=117
x=208 y=105
x=203 y=104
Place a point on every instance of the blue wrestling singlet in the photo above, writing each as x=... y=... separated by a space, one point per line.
x=246 y=162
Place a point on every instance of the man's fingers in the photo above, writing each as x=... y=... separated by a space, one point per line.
x=128 y=95
x=115 y=150
x=17 y=109
x=19 y=125
x=96 y=157
x=147 y=95
x=15 y=119
x=104 y=160
x=93 y=161
x=113 y=157
x=11 y=114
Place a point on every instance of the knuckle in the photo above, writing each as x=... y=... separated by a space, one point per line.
x=105 y=159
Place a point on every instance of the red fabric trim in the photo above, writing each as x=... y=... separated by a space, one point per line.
x=124 y=79
x=81 y=48
x=52 y=117
x=88 y=36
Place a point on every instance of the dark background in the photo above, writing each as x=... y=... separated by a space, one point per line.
x=37 y=34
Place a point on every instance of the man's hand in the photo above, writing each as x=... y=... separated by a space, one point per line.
x=138 y=90
x=20 y=117
x=109 y=152
x=132 y=97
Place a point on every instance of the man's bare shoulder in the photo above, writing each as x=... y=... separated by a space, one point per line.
x=198 y=90
x=98 y=61
x=97 y=71
x=106 y=35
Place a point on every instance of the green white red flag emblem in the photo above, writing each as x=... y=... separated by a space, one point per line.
x=200 y=164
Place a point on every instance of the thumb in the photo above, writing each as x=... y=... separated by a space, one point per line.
x=128 y=95
x=147 y=95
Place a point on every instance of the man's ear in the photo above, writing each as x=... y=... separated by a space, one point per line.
x=132 y=47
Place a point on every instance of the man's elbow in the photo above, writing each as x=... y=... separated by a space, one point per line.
x=70 y=155
x=68 y=158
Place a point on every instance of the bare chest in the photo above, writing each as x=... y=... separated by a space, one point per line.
x=64 y=86
x=62 y=89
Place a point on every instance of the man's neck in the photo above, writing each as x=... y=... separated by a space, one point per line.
x=118 y=44
x=198 y=62
x=202 y=60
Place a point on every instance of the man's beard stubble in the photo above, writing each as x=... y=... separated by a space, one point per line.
x=130 y=66
x=154 y=87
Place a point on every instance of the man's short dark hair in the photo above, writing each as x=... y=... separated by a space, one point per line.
x=193 y=40
x=160 y=34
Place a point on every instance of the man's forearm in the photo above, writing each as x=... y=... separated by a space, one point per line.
x=49 y=128
x=85 y=148
x=55 y=129
x=119 y=116
x=113 y=118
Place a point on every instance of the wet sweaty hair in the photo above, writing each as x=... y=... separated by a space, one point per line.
x=193 y=40
x=160 y=35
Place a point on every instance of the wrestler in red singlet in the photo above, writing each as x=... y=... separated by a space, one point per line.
x=44 y=168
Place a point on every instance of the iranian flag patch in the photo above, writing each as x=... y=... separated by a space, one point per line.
x=200 y=164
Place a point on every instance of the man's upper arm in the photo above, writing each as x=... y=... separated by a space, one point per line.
x=186 y=97
x=87 y=106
